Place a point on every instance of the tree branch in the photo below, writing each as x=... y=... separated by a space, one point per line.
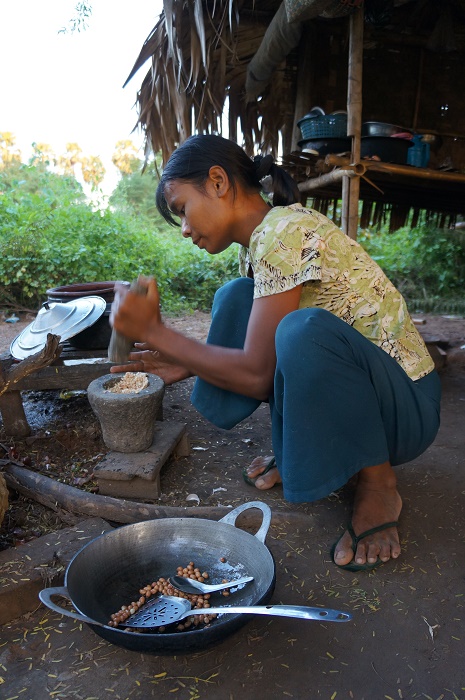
x=43 y=358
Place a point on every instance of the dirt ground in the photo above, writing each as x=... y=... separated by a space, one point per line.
x=66 y=442
x=406 y=637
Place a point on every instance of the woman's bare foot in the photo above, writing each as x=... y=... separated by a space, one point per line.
x=257 y=467
x=377 y=501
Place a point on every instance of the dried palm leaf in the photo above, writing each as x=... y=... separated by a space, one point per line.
x=199 y=55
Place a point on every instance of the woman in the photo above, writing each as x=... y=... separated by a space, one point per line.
x=313 y=327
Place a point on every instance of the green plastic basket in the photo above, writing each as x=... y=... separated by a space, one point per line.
x=327 y=126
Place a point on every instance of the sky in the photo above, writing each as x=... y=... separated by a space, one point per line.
x=58 y=88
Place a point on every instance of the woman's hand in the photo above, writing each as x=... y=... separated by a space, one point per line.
x=134 y=315
x=152 y=362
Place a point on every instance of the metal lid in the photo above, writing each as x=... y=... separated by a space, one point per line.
x=64 y=319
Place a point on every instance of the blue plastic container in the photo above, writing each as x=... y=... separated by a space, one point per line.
x=323 y=126
x=418 y=153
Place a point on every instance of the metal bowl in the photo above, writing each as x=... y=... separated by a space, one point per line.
x=324 y=146
x=382 y=129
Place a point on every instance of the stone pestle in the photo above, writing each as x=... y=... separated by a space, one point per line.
x=119 y=346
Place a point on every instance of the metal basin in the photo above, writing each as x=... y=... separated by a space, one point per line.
x=381 y=129
x=109 y=571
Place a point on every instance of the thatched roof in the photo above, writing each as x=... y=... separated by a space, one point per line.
x=200 y=51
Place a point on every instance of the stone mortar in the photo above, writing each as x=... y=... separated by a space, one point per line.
x=127 y=420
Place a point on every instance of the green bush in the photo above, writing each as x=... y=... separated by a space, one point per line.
x=49 y=236
x=45 y=242
x=426 y=264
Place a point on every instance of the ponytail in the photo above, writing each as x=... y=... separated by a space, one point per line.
x=283 y=187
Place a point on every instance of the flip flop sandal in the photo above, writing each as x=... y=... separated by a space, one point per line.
x=351 y=566
x=271 y=464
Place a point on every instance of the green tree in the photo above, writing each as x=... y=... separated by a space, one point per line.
x=20 y=181
x=43 y=154
x=135 y=194
x=125 y=157
x=50 y=235
x=8 y=153
x=72 y=156
x=93 y=170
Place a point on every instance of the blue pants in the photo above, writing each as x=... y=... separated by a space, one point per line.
x=340 y=403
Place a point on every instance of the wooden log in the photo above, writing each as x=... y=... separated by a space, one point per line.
x=61 y=498
x=58 y=497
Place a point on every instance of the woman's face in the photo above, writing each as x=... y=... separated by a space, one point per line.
x=205 y=215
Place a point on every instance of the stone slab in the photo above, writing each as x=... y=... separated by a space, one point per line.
x=137 y=474
x=27 y=569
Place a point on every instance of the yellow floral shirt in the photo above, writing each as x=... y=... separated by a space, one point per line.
x=294 y=245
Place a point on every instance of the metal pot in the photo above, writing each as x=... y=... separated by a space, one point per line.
x=110 y=570
x=381 y=129
x=106 y=290
x=387 y=149
x=325 y=146
x=97 y=336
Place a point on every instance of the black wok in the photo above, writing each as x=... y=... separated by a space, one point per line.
x=109 y=571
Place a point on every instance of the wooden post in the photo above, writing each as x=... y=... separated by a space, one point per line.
x=351 y=187
x=418 y=92
x=305 y=76
x=13 y=415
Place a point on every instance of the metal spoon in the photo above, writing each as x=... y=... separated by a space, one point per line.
x=190 y=585
x=164 y=610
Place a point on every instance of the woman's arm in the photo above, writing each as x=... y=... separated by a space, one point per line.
x=249 y=371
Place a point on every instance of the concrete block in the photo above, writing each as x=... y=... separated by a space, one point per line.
x=27 y=569
x=137 y=474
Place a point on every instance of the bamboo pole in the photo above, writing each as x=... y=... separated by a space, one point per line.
x=349 y=171
x=351 y=190
x=397 y=169
x=345 y=204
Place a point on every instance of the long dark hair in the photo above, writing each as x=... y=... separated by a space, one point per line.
x=191 y=162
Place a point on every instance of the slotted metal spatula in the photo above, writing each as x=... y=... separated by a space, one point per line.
x=164 y=610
